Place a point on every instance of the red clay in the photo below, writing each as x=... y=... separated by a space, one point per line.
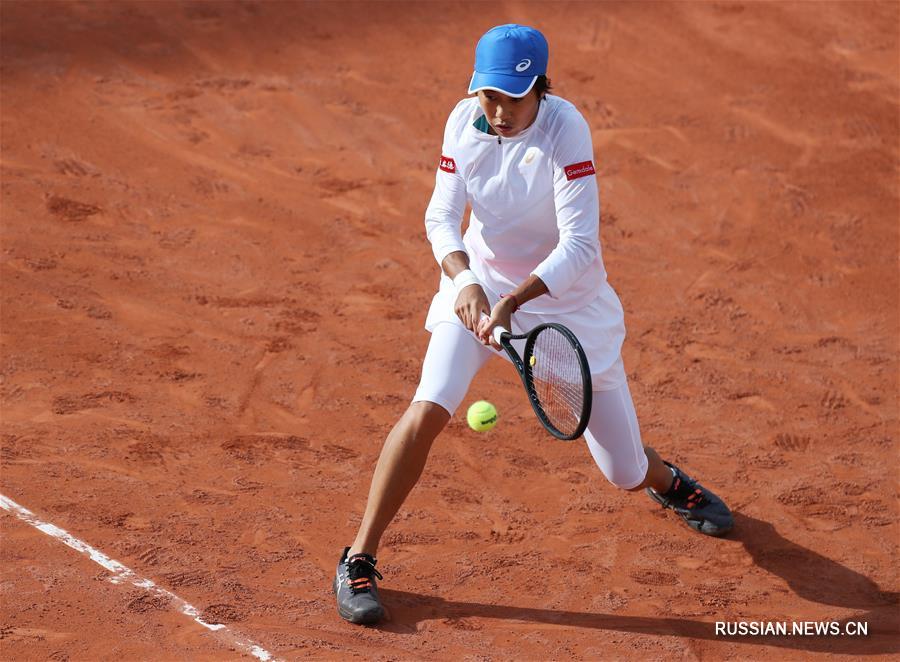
x=215 y=277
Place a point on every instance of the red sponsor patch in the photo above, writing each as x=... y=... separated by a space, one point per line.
x=448 y=164
x=577 y=170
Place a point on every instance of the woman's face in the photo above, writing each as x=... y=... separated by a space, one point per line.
x=507 y=115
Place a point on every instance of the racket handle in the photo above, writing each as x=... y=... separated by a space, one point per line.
x=498 y=330
x=498 y=333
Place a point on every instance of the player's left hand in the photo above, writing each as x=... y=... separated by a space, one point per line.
x=501 y=315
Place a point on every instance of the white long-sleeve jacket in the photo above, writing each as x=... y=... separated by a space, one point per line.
x=535 y=205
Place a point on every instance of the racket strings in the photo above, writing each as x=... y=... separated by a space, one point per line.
x=558 y=381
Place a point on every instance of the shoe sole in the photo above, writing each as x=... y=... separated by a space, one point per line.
x=698 y=527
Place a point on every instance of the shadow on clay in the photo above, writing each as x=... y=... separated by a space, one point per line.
x=810 y=575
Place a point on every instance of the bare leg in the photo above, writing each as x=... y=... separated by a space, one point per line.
x=399 y=467
x=659 y=476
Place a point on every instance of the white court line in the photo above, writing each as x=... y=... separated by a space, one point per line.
x=120 y=574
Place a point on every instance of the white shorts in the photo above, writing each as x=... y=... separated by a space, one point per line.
x=599 y=327
x=455 y=356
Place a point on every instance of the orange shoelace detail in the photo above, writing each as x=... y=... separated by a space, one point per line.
x=360 y=570
x=694 y=498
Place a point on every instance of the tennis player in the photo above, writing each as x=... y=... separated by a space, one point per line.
x=523 y=159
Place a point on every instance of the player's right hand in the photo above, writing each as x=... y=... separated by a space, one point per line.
x=471 y=303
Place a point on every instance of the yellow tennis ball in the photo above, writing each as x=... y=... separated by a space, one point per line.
x=532 y=360
x=482 y=416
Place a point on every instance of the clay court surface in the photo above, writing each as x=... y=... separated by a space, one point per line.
x=214 y=284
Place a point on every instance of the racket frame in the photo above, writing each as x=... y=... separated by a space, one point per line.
x=523 y=367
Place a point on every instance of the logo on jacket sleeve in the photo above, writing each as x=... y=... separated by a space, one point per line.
x=577 y=170
x=448 y=164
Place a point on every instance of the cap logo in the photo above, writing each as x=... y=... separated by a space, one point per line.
x=523 y=65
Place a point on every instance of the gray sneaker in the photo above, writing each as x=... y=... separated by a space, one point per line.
x=701 y=510
x=355 y=589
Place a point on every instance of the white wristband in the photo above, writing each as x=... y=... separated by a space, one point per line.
x=464 y=279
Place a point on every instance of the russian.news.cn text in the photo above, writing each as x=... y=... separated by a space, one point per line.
x=791 y=629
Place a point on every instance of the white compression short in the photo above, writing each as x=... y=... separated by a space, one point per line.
x=613 y=437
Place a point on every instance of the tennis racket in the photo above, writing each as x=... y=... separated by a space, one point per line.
x=556 y=375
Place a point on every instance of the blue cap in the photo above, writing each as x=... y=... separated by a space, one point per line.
x=509 y=59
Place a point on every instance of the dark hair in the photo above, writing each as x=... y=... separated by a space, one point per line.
x=541 y=86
